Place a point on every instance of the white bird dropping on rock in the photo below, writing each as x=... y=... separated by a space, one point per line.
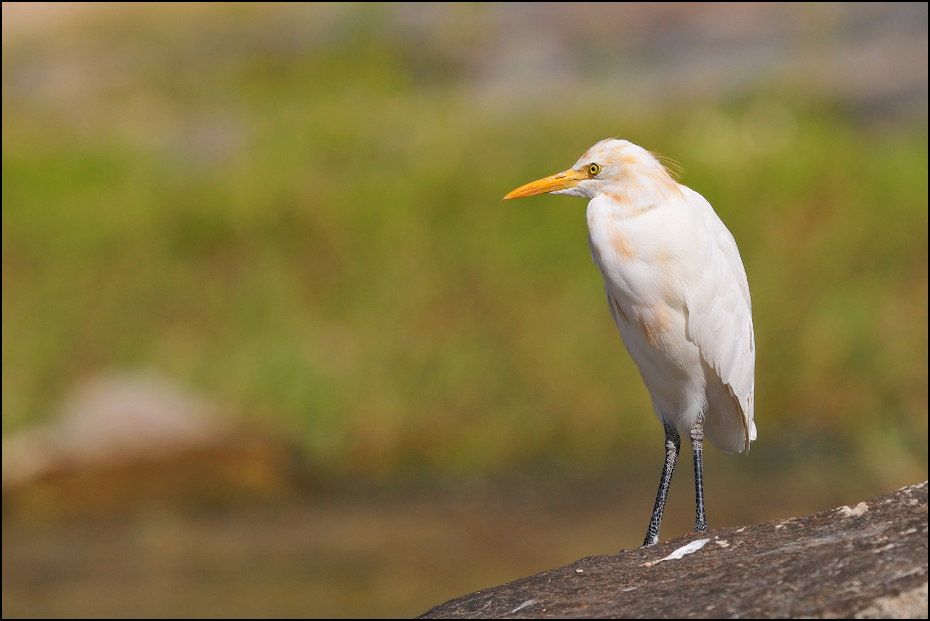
x=677 y=290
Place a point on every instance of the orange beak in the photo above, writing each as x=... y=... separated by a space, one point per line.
x=561 y=181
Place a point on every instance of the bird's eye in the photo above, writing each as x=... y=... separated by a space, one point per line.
x=593 y=169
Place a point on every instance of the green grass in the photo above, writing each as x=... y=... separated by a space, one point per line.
x=315 y=238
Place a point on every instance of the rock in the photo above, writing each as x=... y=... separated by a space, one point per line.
x=867 y=561
x=111 y=419
x=124 y=442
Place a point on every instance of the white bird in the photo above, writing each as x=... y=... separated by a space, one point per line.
x=678 y=292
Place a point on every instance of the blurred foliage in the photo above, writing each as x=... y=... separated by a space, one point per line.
x=314 y=236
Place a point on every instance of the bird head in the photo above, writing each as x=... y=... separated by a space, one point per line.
x=619 y=168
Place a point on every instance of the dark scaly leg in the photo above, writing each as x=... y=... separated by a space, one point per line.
x=672 y=448
x=697 y=449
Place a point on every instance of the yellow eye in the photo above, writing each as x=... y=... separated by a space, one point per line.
x=593 y=169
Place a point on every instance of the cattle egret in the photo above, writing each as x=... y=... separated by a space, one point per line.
x=677 y=290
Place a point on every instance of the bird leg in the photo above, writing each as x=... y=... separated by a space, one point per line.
x=697 y=449
x=672 y=448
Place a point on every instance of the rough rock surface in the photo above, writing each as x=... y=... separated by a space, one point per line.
x=867 y=561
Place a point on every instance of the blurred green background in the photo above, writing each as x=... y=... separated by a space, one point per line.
x=295 y=211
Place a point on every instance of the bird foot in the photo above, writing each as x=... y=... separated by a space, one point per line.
x=648 y=543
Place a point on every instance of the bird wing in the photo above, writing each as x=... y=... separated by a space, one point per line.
x=720 y=323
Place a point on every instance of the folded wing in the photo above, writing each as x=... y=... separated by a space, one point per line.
x=720 y=323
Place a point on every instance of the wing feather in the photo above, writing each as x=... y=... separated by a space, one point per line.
x=720 y=323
